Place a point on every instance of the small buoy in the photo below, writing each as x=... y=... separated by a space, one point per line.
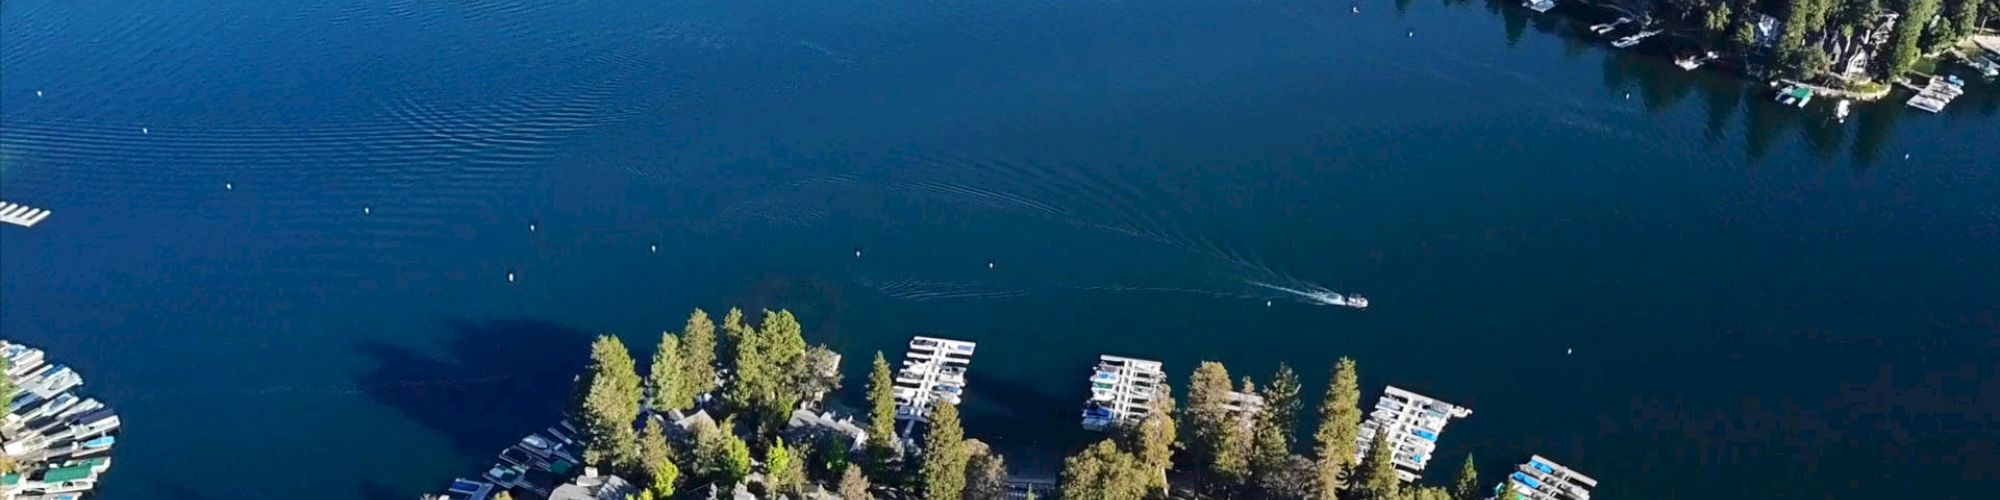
x=857 y=253
x=229 y=186
x=1413 y=33
x=1906 y=156
x=1628 y=95
x=1355 y=8
x=1267 y=303
x=1571 y=350
x=656 y=248
x=510 y=276
x=531 y=227
x=366 y=210
x=144 y=130
x=989 y=264
x=38 y=93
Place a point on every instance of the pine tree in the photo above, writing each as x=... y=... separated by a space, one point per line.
x=6 y=384
x=786 y=474
x=668 y=380
x=503 y=495
x=734 y=333
x=881 y=411
x=721 y=457
x=1379 y=480
x=1215 y=430
x=1103 y=472
x=944 y=454
x=985 y=474
x=610 y=405
x=854 y=485
x=1153 y=440
x=1467 y=485
x=656 y=457
x=1271 y=435
x=664 y=476
x=698 y=355
x=1339 y=427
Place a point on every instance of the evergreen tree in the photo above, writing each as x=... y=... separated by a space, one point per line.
x=1339 y=427
x=1905 y=48
x=7 y=387
x=1716 y=22
x=1153 y=440
x=785 y=475
x=668 y=376
x=1271 y=435
x=664 y=476
x=734 y=333
x=1293 y=478
x=881 y=411
x=1467 y=485
x=721 y=457
x=854 y=485
x=656 y=457
x=503 y=495
x=1103 y=472
x=610 y=405
x=1216 y=433
x=1745 y=35
x=985 y=474
x=698 y=355
x=1379 y=480
x=1281 y=400
x=944 y=454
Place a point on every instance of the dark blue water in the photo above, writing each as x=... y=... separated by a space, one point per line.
x=1762 y=304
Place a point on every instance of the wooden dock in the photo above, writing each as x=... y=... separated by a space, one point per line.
x=1414 y=422
x=933 y=370
x=1935 y=95
x=21 y=215
x=1544 y=479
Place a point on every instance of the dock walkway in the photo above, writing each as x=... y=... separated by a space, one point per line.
x=1414 y=422
x=933 y=370
x=21 y=215
x=1935 y=95
x=1122 y=391
x=1544 y=479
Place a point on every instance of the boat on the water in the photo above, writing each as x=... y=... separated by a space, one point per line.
x=1841 y=110
x=1335 y=299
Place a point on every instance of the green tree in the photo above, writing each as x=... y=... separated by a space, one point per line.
x=1467 y=485
x=1339 y=427
x=503 y=495
x=656 y=456
x=1153 y=440
x=772 y=372
x=1964 y=18
x=1217 y=433
x=668 y=376
x=721 y=456
x=610 y=405
x=1293 y=478
x=854 y=485
x=698 y=354
x=829 y=458
x=1103 y=472
x=881 y=411
x=985 y=473
x=1745 y=35
x=1271 y=438
x=944 y=454
x=786 y=474
x=1716 y=22
x=1379 y=480
x=1816 y=62
x=1905 y=49
x=663 y=477
x=6 y=384
x=734 y=333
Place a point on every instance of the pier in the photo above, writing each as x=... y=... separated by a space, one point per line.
x=1414 y=422
x=1122 y=391
x=1544 y=479
x=21 y=215
x=1936 y=94
x=60 y=443
x=933 y=370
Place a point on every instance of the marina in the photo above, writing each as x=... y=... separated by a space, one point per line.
x=22 y=215
x=1413 y=423
x=933 y=370
x=1937 y=93
x=1122 y=391
x=60 y=443
x=1544 y=479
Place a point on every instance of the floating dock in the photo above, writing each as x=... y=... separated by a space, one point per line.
x=21 y=215
x=1938 y=93
x=60 y=443
x=933 y=370
x=1544 y=479
x=1122 y=391
x=1414 y=422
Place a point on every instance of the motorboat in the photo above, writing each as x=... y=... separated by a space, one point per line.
x=1841 y=110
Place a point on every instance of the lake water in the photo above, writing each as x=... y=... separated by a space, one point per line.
x=1761 y=304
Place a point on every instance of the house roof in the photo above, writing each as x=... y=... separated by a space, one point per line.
x=595 y=488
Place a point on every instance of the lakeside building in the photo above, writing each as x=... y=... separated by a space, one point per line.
x=1122 y=391
x=1413 y=423
x=1544 y=479
x=933 y=370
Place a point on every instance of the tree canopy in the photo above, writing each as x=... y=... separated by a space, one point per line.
x=698 y=354
x=610 y=405
x=1339 y=427
x=1466 y=487
x=944 y=454
x=1217 y=437
x=1104 y=472
x=667 y=378
x=785 y=473
x=881 y=410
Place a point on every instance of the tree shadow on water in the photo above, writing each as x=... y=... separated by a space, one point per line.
x=500 y=380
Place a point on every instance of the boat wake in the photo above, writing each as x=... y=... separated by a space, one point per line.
x=1314 y=294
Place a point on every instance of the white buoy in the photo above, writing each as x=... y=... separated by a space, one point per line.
x=1267 y=303
x=857 y=253
x=366 y=210
x=656 y=248
x=38 y=93
x=989 y=264
x=1571 y=350
x=531 y=227
x=1356 y=9
x=144 y=130
x=510 y=276
x=1906 y=156
x=1628 y=95
x=229 y=186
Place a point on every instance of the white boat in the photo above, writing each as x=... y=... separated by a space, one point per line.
x=1840 y=111
x=1335 y=299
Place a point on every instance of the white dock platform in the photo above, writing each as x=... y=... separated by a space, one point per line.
x=1935 y=95
x=1122 y=391
x=933 y=370
x=49 y=431
x=1544 y=479
x=21 y=215
x=1414 y=422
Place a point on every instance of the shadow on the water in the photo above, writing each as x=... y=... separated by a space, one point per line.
x=498 y=380
x=1017 y=418
x=372 y=489
x=168 y=490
